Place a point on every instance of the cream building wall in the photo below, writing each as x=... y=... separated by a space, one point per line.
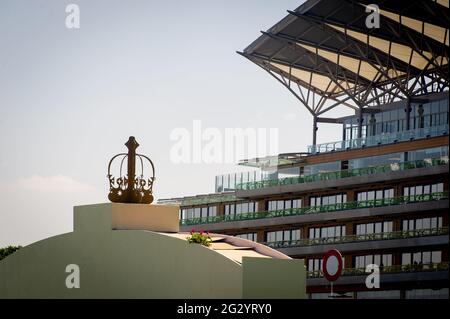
x=119 y=258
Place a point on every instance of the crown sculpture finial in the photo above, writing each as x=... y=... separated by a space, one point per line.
x=131 y=188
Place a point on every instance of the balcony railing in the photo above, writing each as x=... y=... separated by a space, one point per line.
x=430 y=267
x=344 y=174
x=381 y=139
x=316 y=209
x=358 y=238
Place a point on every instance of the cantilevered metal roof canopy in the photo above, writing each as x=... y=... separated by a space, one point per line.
x=324 y=53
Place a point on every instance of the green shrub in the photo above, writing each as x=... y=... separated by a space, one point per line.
x=199 y=238
x=6 y=251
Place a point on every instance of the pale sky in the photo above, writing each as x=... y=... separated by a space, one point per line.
x=69 y=98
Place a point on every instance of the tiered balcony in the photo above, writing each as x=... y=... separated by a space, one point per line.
x=431 y=267
x=359 y=238
x=381 y=139
x=339 y=207
x=343 y=174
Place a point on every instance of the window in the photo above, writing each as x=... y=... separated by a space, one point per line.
x=240 y=208
x=422 y=257
x=423 y=189
x=249 y=236
x=326 y=232
x=314 y=264
x=198 y=212
x=283 y=235
x=284 y=204
x=422 y=223
x=328 y=200
x=380 y=260
x=374 y=228
x=376 y=160
x=379 y=194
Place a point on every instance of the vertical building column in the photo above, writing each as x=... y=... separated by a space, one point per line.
x=348 y=228
x=397 y=258
x=315 y=128
x=396 y=225
x=261 y=205
x=221 y=209
x=260 y=236
x=360 y=120
x=304 y=232
x=351 y=197
x=407 y=112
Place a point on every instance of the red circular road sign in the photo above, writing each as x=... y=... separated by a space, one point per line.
x=332 y=265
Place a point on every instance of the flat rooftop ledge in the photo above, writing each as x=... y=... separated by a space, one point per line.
x=107 y=216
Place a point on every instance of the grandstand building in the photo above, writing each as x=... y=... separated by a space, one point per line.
x=380 y=194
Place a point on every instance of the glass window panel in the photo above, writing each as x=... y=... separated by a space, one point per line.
x=378 y=228
x=406 y=258
x=377 y=260
x=419 y=223
x=417 y=257
x=406 y=191
x=426 y=257
x=426 y=189
x=405 y=225
x=433 y=222
x=280 y=205
x=287 y=204
x=419 y=190
x=369 y=228
x=426 y=223
x=379 y=194
x=388 y=227
x=331 y=232
x=311 y=233
x=436 y=257
x=287 y=235
x=440 y=222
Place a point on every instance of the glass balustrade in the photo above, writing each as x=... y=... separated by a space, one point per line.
x=400 y=166
x=381 y=139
